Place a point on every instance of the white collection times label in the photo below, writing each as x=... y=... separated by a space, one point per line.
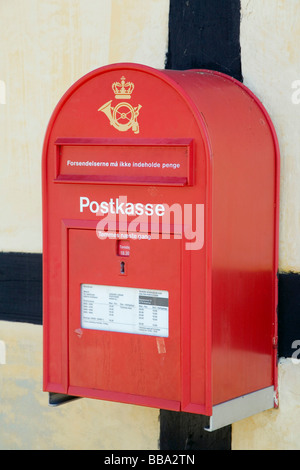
x=125 y=310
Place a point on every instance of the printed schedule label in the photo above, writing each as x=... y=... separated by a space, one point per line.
x=125 y=309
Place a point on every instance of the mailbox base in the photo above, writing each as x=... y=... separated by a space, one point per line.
x=240 y=408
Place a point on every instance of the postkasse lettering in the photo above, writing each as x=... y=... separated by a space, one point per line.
x=115 y=206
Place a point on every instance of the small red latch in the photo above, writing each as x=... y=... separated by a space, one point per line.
x=275 y=342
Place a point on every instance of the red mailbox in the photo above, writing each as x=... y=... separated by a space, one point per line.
x=160 y=213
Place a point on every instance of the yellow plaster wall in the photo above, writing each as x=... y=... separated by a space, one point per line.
x=270 y=54
x=46 y=45
x=29 y=423
x=270 y=34
x=276 y=429
x=139 y=32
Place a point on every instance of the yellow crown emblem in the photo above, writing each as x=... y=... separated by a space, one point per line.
x=123 y=90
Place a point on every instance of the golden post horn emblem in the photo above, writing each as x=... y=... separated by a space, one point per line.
x=123 y=116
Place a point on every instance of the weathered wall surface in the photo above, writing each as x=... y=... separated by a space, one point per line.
x=274 y=429
x=270 y=32
x=45 y=47
x=28 y=422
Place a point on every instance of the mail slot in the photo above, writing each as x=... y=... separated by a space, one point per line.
x=160 y=232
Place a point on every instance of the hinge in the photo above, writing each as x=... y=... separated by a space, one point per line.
x=275 y=342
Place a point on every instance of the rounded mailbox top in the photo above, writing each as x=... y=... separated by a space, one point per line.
x=131 y=101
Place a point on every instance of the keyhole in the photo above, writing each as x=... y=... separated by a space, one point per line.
x=122 y=267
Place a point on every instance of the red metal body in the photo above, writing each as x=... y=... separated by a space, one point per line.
x=154 y=139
